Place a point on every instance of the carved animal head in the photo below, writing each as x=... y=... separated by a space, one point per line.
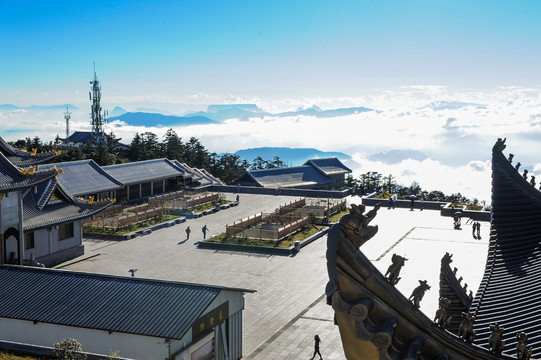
x=447 y=258
x=522 y=338
x=398 y=260
x=468 y=316
x=444 y=302
x=355 y=224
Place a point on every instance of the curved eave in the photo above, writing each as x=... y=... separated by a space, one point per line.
x=509 y=290
x=359 y=279
x=52 y=220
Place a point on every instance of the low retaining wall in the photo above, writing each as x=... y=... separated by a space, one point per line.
x=444 y=208
x=61 y=256
x=332 y=194
x=261 y=249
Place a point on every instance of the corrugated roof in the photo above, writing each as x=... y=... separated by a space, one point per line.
x=85 y=177
x=103 y=302
x=143 y=171
x=329 y=166
x=289 y=177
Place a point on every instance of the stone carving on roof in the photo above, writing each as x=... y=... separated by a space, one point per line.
x=376 y=321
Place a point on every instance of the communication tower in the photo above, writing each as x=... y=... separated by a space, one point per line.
x=99 y=117
x=67 y=116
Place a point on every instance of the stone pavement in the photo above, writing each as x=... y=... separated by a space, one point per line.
x=289 y=307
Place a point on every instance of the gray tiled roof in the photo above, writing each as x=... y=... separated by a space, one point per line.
x=79 y=137
x=211 y=177
x=184 y=167
x=85 y=177
x=12 y=180
x=103 y=302
x=65 y=208
x=289 y=177
x=23 y=158
x=142 y=171
x=329 y=166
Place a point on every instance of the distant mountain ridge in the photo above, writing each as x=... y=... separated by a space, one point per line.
x=291 y=156
x=246 y=111
x=160 y=120
x=38 y=107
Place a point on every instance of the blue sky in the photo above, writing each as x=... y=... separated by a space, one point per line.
x=171 y=50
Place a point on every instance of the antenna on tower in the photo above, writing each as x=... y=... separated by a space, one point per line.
x=99 y=117
x=67 y=116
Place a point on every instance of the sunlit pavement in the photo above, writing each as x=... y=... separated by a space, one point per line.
x=288 y=309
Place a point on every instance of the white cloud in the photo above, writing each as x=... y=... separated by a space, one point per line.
x=457 y=141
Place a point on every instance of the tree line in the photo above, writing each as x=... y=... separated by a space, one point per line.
x=147 y=146
x=373 y=181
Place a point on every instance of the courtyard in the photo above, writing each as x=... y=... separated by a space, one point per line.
x=289 y=306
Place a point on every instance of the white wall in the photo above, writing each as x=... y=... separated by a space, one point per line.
x=46 y=241
x=10 y=211
x=96 y=341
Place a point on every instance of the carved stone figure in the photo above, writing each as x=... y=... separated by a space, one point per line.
x=525 y=174
x=517 y=166
x=353 y=226
x=523 y=352
x=394 y=269
x=532 y=180
x=510 y=158
x=447 y=259
x=495 y=342
x=500 y=144
x=441 y=314
x=418 y=293
x=465 y=331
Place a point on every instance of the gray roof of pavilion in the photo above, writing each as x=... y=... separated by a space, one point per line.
x=131 y=305
x=211 y=177
x=143 y=171
x=51 y=204
x=329 y=166
x=85 y=177
x=288 y=177
x=189 y=171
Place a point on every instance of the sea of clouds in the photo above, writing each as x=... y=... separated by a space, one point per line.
x=455 y=130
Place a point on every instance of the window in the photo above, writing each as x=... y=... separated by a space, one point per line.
x=29 y=241
x=65 y=231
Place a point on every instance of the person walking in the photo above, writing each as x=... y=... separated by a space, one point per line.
x=473 y=229
x=478 y=226
x=204 y=230
x=188 y=231
x=316 y=347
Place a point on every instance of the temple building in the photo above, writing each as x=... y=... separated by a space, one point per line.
x=40 y=221
x=324 y=173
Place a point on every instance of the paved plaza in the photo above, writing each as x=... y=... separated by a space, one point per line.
x=289 y=306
